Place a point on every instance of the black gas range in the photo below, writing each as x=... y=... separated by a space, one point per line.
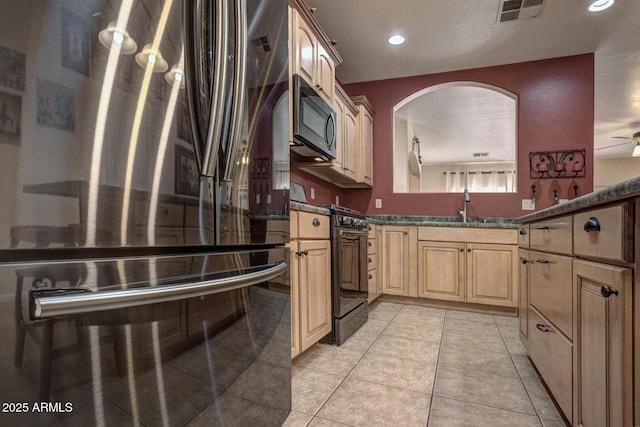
x=349 y=234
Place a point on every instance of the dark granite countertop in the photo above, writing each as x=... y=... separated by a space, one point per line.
x=296 y=206
x=443 y=221
x=620 y=191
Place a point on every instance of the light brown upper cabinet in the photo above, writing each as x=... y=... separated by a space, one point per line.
x=311 y=59
x=364 y=172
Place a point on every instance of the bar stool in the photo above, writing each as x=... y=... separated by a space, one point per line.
x=44 y=276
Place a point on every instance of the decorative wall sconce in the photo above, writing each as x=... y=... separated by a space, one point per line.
x=557 y=164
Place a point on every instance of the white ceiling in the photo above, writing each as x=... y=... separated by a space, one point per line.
x=447 y=35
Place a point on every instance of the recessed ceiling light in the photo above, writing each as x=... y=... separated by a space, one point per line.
x=396 y=39
x=600 y=5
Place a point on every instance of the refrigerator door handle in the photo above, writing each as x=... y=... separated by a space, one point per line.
x=44 y=307
x=239 y=90
x=204 y=92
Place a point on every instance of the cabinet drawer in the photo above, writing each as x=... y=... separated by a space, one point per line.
x=372 y=280
x=313 y=226
x=372 y=261
x=551 y=289
x=523 y=236
x=553 y=235
x=167 y=214
x=503 y=236
x=553 y=356
x=372 y=246
x=605 y=233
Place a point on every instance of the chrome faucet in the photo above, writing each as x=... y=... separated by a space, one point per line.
x=463 y=212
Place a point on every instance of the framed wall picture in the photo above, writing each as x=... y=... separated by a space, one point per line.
x=75 y=38
x=187 y=177
x=10 y=118
x=12 y=69
x=183 y=125
x=55 y=106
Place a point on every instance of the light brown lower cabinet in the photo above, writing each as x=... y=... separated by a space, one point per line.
x=396 y=260
x=314 y=289
x=523 y=295
x=441 y=270
x=603 y=326
x=472 y=272
x=552 y=353
x=492 y=274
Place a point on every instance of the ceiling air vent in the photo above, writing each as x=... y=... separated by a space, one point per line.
x=516 y=10
x=261 y=44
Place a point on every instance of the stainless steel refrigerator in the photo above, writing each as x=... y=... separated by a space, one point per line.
x=144 y=188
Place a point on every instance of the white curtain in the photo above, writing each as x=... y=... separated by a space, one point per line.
x=455 y=182
x=503 y=181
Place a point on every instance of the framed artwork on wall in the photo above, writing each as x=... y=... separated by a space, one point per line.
x=10 y=118
x=12 y=69
x=187 y=178
x=75 y=38
x=183 y=125
x=55 y=106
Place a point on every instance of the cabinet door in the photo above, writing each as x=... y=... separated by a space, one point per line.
x=523 y=295
x=315 y=290
x=305 y=50
x=366 y=141
x=492 y=274
x=441 y=270
x=395 y=265
x=350 y=161
x=295 y=299
x=603 y=380
x=325 y=75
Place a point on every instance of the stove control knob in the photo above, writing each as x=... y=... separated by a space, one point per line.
x=347 y=220
x=365 y=224
x=358 y=223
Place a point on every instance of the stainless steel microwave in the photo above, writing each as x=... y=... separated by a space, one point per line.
x=314 y=123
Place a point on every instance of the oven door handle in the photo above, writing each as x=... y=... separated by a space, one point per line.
x=353 y=233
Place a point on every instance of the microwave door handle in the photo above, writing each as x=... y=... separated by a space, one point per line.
x=46 y=305
x=239 y=90
x=331 y=120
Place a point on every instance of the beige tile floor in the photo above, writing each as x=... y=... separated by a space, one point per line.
x=421 y=366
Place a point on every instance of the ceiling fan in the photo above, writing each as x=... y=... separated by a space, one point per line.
x=635 y=138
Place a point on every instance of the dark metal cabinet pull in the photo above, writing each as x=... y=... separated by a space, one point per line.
x=523 y=231
x=369 y=260
x=370 y=277
x=606 y=291
x=543 y=227
x=542 y=261
x=315 y=222
x=525 y=261
x=369 y=244
x=542 y=328
x=300 y=253
x=592 y=224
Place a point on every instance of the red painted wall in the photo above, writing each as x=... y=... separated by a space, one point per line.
x=325 y=192
x=555 y=112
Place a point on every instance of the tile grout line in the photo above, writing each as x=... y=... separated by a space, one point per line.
x=519 y=374
x=435 y=373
